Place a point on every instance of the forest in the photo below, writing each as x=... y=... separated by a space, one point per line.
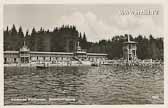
x=63 y=39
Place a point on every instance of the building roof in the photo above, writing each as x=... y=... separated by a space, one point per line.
x=57 y=53
x=97 y=54
x=80 y=52
x=130 y=42
x=24 y=48
x=11 y=51
x=40 y=52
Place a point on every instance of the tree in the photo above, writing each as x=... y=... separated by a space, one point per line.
x=13 y=31
x=84 y=41
x=31 y=43
x=20 y=38
x=63 y=39
x=6 y=39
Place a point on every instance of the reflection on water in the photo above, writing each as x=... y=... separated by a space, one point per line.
x=84 y=85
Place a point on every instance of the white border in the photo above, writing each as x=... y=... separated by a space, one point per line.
x=80 y=1
x=165 y=8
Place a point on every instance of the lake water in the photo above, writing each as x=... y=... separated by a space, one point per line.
x=104 y=85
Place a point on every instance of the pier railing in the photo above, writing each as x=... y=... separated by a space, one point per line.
x=135 y=62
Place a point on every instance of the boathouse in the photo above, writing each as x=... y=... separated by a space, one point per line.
x=25 y=56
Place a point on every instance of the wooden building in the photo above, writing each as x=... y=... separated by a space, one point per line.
x=129 y=51
x=25 y=56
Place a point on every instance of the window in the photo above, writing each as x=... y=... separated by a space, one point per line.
x=14 y=60
x=130 y=58
x=133 y=52
x=129 y=46
x=5 y=60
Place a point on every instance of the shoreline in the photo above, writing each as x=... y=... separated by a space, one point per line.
x=50 y=65
x=69 y=65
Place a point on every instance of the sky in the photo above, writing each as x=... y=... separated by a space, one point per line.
x=102 y=21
